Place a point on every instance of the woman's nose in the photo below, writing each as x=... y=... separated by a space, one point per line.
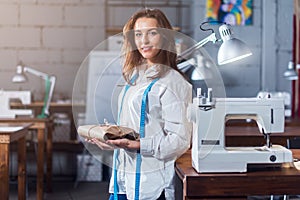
x=145 y=39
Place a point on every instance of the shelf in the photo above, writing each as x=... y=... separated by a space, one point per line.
x=153 y=3
x=177 y=11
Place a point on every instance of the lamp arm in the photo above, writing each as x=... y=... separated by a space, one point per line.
x=211 y=38
x=36 y=73
x=48 y=95
x=52 y=80
x=186 y=65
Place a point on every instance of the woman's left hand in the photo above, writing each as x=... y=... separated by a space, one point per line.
x=125 y=143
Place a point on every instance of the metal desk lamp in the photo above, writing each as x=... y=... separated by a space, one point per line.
x=20 y=77
x=231 y=49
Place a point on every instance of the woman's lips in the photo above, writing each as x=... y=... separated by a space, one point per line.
x=148 y=48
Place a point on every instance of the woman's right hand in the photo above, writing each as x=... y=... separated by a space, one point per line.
x=101 y=145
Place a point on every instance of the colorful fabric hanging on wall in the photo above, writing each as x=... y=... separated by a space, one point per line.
x=233 y=12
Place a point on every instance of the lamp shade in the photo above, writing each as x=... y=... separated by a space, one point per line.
x=290 y=73
x=19 y=77
x=232 y=49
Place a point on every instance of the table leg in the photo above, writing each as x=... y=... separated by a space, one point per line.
x=73 y=129
x=22 y=168
x=4 y=173
x=184 y=189
x=49 y=159
x=40 y=164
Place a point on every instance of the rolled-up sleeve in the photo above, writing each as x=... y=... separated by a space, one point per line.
x=147 y=146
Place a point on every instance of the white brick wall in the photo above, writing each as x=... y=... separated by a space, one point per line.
x=63 y=38
x=9 y=14
x=20 y=37
x=41 y=15
x=40 y=56
x=84 y=15
x=53 y=36
x=6 y=56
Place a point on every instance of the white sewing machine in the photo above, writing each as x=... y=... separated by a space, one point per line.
x=6 y=96
x=209 y=153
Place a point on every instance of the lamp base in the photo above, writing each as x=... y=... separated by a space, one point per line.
x=42 y=116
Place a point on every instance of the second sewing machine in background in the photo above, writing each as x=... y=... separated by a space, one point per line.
x=7 y=96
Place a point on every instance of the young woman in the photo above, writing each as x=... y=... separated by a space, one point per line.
x=154 y=104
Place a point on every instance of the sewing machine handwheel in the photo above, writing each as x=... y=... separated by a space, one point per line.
x=273 y=158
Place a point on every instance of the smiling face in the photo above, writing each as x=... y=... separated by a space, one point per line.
x=147 y=38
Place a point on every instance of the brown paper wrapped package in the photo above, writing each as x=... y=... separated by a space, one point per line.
x=107 y=132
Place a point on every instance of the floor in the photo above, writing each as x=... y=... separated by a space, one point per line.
x=64 y=170
x=64 y=190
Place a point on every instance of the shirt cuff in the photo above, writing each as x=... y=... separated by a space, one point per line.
x=146 y=146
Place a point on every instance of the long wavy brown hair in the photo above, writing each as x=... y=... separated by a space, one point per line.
x=133 y=58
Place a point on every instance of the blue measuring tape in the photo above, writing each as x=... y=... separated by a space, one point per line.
x=142 y=135
x=116 y=151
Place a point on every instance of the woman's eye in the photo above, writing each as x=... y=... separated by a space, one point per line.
x=153 y=33
x=138 y=34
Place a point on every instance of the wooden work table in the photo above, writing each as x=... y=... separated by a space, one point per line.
x=44 y=128
x=8 y=134
x=55 y=108
x=270 y=181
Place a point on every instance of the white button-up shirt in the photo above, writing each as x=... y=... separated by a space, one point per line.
x=167 y=134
